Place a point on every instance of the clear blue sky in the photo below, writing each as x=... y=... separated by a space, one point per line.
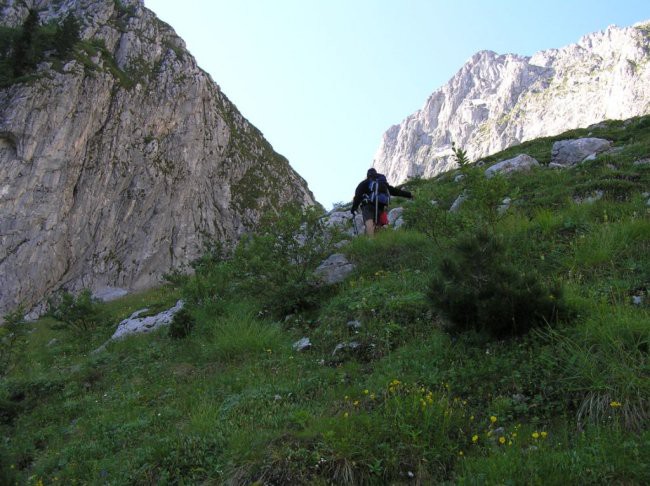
x=324 y=79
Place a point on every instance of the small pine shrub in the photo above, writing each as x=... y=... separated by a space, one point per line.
x=182 y=324
x=79 y=313
x=476 y=288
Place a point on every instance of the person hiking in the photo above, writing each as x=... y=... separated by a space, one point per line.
x=373 y=195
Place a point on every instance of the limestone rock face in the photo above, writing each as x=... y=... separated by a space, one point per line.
x=496 y=101
x=122 y=164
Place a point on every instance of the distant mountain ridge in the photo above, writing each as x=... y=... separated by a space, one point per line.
x=496 y=101
x=123 y=162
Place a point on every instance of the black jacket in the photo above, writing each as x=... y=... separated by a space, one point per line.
x=363 y=189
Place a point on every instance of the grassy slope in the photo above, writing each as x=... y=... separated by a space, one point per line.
x=234 y=403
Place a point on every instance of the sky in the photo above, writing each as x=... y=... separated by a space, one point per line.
x=324 y=79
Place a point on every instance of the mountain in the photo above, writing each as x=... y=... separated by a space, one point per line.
x=120 y=159
x=497 y=101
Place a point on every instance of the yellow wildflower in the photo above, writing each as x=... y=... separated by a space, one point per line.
x=615 y=404
x=372 y=396
x=544 y=434
x=346 y=415
x=356 y=403
x=472 y=418
x=475 y=438
x=365 y=392
x=502 y=440
x=493 y=419
x=461 y=453
x=535 y=435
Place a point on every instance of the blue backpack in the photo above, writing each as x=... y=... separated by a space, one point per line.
x=379 y=190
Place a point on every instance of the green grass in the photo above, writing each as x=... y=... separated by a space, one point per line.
x=234 y=403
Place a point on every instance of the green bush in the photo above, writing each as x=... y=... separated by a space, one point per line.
x=79 y=313
x=11 y=337
x=476 y=287
x=434 y=220
x=277 y=265
x=182 y=324
x=21 y=50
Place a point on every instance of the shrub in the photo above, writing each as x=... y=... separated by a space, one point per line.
x=277 y=265
x=182 y=324
x=66 y=36
x=22 y=49
x=212 y=280
x=434 y=221
x=80 y=313
x=476 y=288
x=11 y=334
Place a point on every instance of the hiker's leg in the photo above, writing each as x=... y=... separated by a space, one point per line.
x=368 y=213
x=370 y=227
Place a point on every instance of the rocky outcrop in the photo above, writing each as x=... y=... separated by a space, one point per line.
x=567 y=153
x=124 y=162
x=520 y=163
x=496 y=101
x=334 y=269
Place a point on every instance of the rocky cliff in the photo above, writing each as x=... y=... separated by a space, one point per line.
x=123 y=161
x=496 y=101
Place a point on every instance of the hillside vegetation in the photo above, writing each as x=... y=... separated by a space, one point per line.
x=480 y=346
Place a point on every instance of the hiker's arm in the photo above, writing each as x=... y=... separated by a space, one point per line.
x=358 y=196
x=394 y=191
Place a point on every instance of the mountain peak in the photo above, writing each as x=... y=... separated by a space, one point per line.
x=499 y=100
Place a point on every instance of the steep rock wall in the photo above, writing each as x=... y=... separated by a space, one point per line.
x=125 y=161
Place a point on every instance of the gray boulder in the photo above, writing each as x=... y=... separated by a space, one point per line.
x=354 y=325
x=395 y=218
x=351 y=346
x=334 y=269
x=504 y=206
x=590 y=199
x=519 y=163
x=567 y=153
x=302 y=344
x=455 y=207
x=345 y=221
x=139 y=325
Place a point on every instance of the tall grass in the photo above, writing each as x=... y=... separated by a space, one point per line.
x=604 y=361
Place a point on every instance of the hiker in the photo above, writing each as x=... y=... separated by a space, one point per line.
x=373 y=195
